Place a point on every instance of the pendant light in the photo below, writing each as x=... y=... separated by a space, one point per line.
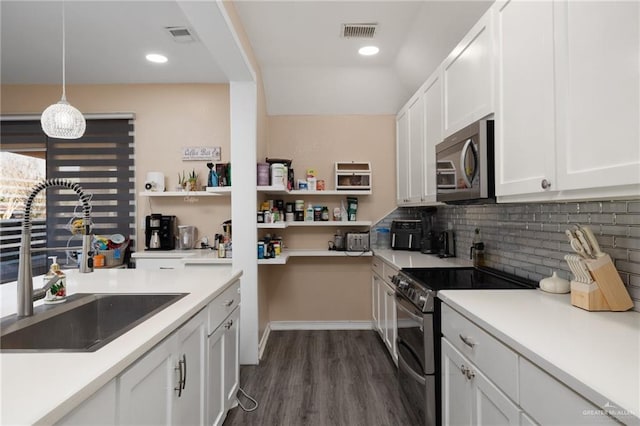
x=61 y=120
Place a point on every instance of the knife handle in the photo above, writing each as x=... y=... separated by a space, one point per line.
x=588 y=233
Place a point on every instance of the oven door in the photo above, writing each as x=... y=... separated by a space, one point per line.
x=416 y=379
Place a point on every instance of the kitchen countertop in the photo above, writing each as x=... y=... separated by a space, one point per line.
x=415 y=259
x=43 y=387
x=195 y=256
x=597 y=354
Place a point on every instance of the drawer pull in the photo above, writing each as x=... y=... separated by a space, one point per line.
x=467 y=341
x=228 y=303
x=470 y=374
x=167 y=267
x=463 y=370
x=228 y=324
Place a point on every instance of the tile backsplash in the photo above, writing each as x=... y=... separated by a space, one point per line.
x=528 y=240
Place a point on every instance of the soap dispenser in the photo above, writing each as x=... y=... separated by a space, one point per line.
x=57 y=293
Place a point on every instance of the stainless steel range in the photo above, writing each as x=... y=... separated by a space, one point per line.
x=418 y=341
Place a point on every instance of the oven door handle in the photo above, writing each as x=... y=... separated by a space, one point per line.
x=405 y=366
x=412 y=315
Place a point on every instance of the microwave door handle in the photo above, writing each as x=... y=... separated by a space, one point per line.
x=463 y=160
x=393 y=240
x=410 y=241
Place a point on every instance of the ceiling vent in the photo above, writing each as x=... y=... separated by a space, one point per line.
x=181 y=34
x=358 y=30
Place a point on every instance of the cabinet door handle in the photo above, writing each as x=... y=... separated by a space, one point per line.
x=184 y=377
x=181 y=373
x=166 y=267
x=228 y=324
x=470 y=374
x=467 y=341
x=228 y=303
x=389 y=293
x=463 y=370
x=545 y=184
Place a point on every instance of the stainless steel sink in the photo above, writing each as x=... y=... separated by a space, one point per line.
x=84 y=323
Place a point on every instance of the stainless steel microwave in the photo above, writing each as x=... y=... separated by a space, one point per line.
x=466 y=171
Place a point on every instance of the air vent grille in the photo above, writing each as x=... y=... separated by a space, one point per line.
x=359 y=30
x=181 y=34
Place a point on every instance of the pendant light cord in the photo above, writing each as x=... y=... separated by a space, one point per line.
x=64 y=80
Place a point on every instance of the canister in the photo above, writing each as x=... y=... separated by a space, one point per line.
x=299 y=205
x=289 y=207
x=263 y=174
x=278 y=174
x=289 y=217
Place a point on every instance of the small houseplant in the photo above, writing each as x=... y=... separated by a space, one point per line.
x=193 y=181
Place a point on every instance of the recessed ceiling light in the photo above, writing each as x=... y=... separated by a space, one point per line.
x=368 y=50
x=157 y=58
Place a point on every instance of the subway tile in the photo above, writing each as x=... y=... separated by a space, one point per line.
x=580 y=218
x=628 y=219
x=633 y=206
x=591 y=207
x=629 y=267
x=630 y=243
x=618 y=230
x=634 y=232
x=559 y=218
x=634 y=281
x=634 y=256
x=604 y=218
x=614 y=207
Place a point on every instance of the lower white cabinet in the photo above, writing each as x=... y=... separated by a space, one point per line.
x=478 y=375
x=166 y=386
x=223 y=365
x=155 y=263
x=383 y=306
x=99 y=409
x=469 y=397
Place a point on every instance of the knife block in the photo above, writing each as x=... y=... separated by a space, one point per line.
x=588 y=296
x=609 y=283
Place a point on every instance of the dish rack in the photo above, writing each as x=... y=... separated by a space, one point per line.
x=596 y=285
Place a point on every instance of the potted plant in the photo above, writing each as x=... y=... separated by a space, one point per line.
x=193 y=181
x=182 y=181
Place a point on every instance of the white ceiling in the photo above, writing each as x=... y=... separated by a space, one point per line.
x=308 y=68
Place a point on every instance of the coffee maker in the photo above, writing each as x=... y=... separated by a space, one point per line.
x=160 y=232
x=429 y=242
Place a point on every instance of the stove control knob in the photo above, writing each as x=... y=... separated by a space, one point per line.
x=423 y=299
x=402 y=284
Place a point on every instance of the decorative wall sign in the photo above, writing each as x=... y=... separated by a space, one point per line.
x=201 y=153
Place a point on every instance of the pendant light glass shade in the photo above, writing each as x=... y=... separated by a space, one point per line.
x=61 y=120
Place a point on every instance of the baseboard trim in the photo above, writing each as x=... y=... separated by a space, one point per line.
x=320 y=325
x=263 y=341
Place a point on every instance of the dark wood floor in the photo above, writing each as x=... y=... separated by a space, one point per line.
x=322 y=378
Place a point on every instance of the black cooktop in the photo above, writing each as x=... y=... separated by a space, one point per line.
x=466 y=279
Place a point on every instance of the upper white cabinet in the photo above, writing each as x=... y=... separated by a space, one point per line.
x=525 y=108
x=468 y=80
x=568 y=100
x=416 y=148
x=402 y=157
x=419 y=129
x=598 y=62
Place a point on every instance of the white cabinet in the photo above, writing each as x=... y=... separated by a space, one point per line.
x=146 y=390
x=98 y=409
x=548 y=401
x=525 y=110
x=231 y=377
x=432 y=94
x=384 y=316
x=215 y=386
x=402 y=157
x=419 y=129
x=192 y=349
x=417 y=148
x=598 y=62
x=166 y=386
x=157 y=263
x=568 y=104
x=469 y=397
x=468 y=77
x=223 y=365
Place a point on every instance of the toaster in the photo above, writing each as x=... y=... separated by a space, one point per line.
x=357 y=241
x=406 y=234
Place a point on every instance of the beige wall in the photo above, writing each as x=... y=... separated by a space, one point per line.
x=329 y=289
x=168 y=116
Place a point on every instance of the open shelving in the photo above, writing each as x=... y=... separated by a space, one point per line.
x=210 y=192
x=326 y=223
x=289 y=253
